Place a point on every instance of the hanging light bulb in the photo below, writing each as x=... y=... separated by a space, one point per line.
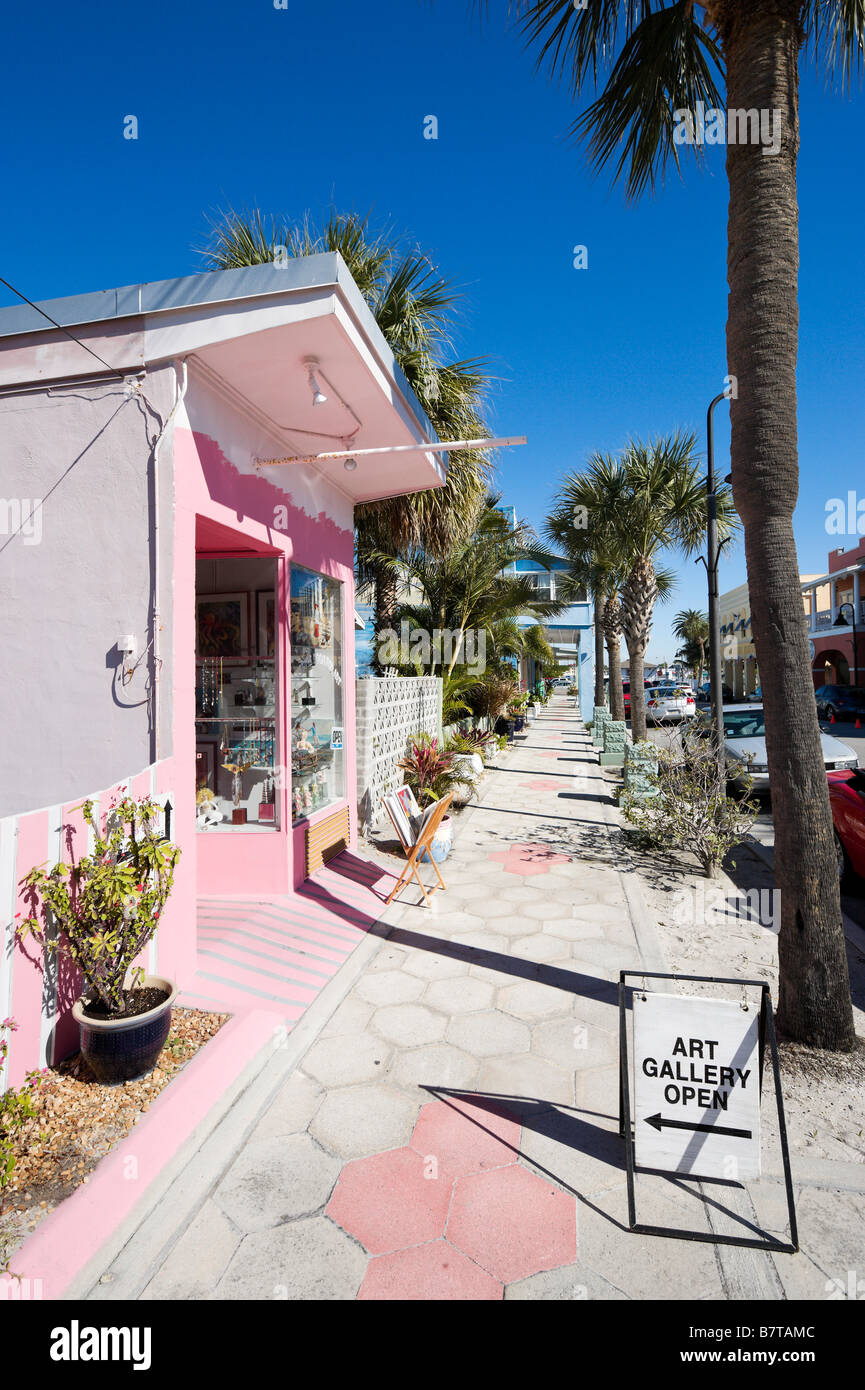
x=350 y=465
x=318 y=396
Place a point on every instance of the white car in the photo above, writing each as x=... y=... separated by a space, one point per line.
x=745 y=742
x=665 y=703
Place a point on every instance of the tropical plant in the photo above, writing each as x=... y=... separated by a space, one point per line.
x=692 y=628
x=16 y=1108
x=431 y=769
x=101 y=912
x=472 y=739
x=690 y=808
x=658 y=60
x=594 y=568
x=415 y=308
x=473 y=592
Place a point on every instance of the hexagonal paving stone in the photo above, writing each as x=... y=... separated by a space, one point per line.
x=489 y=1034
x=428 y=966
x=464 y=1136
x=388 y=958
x=581 y=1152
x=546 y=909
x=531 y=1000
x=421 y=1069
x=428 y=1273
x=573 y=1044
x=533 y=1079
x=541 y=947
x=577 y=930
x=461 y=996
x=304 y=1260
x=347 y=1059
x=391 y=1200
x=513 y=1223
x=517 y=926
x=294 y=1106
x=482 y=941
x=352 y=1016
x=274 y=1179
x=389 y=987
x=359 y=1120
x=409 y=1025
x=447 y=923
x=571 y=1282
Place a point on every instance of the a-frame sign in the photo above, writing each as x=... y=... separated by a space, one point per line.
x=697 y=1082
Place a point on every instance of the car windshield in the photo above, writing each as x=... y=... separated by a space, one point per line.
x=744 y=723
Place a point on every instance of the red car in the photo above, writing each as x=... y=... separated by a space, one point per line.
x=847 y=799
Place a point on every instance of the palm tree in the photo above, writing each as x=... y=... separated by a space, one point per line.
x=658 y=59
x=415 y=308
x=648 y=501
x=473 y=588
x=692 y=628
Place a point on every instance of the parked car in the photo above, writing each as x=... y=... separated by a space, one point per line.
x=846 y=703
x=847 y=800
x=703 y=696
x=669 y=704
x=745 y=742
x=626 y=691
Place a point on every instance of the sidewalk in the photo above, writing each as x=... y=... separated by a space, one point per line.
x=451 y=1131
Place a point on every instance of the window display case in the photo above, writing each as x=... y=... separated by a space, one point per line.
x=236 y=745
x=237 y=696
x=317 y=734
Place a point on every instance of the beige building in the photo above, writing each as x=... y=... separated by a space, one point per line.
x=738 y=656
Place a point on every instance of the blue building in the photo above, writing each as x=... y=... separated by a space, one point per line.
x=570 y=634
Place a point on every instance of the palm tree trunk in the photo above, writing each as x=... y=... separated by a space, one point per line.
x=386 y=596
x=599 y=649
x=613 y=639
x=638 y=604
x=762 y=51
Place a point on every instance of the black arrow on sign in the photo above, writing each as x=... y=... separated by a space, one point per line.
x=658 y=1123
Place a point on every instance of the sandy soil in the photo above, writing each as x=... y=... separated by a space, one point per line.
x=728 y=927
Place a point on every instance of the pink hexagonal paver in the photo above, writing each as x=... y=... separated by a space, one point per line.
x=465 y=1138
x=513 y=1223
x=541 y=784
x=435 y=1271
x=390 y=1200
x=530 y=857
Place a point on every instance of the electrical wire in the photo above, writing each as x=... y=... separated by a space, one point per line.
x=69 y=335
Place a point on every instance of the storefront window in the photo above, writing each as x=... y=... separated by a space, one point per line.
x=236 y=695
x=317 y=731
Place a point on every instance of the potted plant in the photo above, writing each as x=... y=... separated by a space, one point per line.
x=99 y=914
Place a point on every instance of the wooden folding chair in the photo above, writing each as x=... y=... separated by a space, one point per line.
x=422 y=842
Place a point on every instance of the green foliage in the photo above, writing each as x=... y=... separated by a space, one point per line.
x=691 y=810
x=472 y=740
x=105 y=908
x=430 y=770
x=16 y=1108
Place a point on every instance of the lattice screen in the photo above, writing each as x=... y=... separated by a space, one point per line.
x=389 y=710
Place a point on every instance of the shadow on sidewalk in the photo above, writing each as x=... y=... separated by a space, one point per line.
x=565 y=1125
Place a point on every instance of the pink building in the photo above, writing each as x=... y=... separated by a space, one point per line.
x=172 y=604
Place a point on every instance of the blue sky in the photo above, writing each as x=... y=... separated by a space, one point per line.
x=295 y=109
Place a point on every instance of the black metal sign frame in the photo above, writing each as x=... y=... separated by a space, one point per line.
x=766 y=1034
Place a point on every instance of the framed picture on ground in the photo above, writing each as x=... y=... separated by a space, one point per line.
x=222 y=626
x=266 y=619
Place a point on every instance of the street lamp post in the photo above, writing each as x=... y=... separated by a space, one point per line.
x=713 y=551
x=841 y=621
